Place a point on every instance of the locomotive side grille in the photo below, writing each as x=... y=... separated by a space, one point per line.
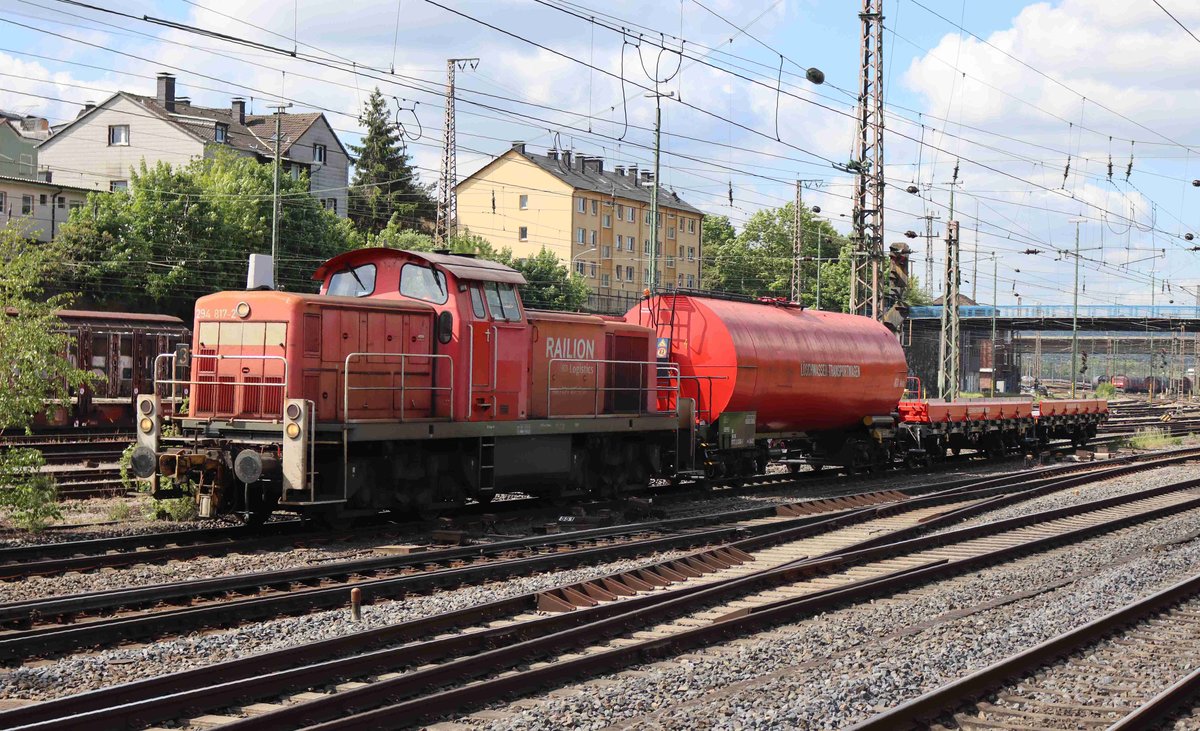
x=225 y=394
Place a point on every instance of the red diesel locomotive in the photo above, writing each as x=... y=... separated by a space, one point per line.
x=419 y=381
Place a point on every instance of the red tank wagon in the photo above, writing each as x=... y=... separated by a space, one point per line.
x=762 y=370
x=412 y=380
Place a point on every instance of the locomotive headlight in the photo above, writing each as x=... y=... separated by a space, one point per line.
x=292 y=430
x=147 y=407
x=293 y=412
x=242 y=310
x=146 y=425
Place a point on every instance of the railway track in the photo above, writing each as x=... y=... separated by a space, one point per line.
x=1131 y=669
x=58 y=624
x=96 y=553
x=488 y=652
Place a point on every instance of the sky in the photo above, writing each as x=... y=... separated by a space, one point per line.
x=1058 y=116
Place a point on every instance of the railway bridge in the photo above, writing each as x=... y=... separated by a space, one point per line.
x=1035 y=341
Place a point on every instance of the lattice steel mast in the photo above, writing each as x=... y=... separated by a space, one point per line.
x=447 y=207
x=868 y=163
x=948 y=364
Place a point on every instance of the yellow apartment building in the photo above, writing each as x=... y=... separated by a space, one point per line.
x=598 y=220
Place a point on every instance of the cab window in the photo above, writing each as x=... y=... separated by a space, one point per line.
x=502 y=301
x=356 y=281
x=423 y=283
x=477 y=303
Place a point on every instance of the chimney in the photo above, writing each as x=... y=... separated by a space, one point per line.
x=647 y=177
x=166 y=91
x=87 y=107
x=518 y=146
x=632 y=171
x=238 y=110
x=552 y=154
x=182 y=101
x=619 y=170
x=566 y=156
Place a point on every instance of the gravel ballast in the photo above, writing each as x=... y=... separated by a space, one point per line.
x=843 y=666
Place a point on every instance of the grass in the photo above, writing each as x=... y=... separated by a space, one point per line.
x=121 y=512
x=1153 y=438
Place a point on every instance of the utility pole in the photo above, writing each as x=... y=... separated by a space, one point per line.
x=975 y=260
x=654 y=222
x=447 y=207
x=929 y=281
x=868 y=164
x=275 y=198
x=798 y=240
x=797 y=250
x=1075 y=312
x=948 y=370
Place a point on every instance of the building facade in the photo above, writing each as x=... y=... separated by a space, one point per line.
x=37 y=208
x=19 y=139
x=597 y=220
x=105 y=142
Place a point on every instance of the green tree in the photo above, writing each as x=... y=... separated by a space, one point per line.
x=37 y=376
x=758 y=260
x=386 y=187
x=550 y=284
x=179 y=233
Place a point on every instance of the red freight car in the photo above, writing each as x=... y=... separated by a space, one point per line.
x=763 y=370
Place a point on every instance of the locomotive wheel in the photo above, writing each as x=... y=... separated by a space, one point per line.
x=255 y=518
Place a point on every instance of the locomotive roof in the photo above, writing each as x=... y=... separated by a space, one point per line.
x=462 y=267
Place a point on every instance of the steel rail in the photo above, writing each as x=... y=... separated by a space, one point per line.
x=941 y=700
x=148 y=701
x=345 y=711
x=49 y=639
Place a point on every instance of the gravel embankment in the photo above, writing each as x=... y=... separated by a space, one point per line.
x=87 y=671
x=843 y=666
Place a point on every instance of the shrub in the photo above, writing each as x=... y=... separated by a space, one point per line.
x=1106 y=390
x=120 y=511
x=1152 y=438
x=30 y=496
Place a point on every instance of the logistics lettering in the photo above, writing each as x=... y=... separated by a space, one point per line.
x=571 y=348
x=830 y=370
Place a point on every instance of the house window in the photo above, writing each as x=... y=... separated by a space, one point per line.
x=631 y=214
x=670 y=232
x=691 y=225
x=330 y=204
x=62 y=201
x=42 y=199
x=220 y=133
x=680 y=280
x=629 y=273
x=3 y=202
x=593 y=271
x=26 y=205
x=646 y=247
x=680 y=252
x=319 y=154
x=607 y=220
x=604 y=281
x=595 y=207
x=581 y=205
x=691 y=253
x=619 y=273
x=523 y=233
x=118 y=134
x=75 y=205
x=647 y=218
x=581 y=235
x=593 y=238
x=115 y=185
x=620 y=211
x=620 y=242
x=580 y=268
x=607 y=252
x=523 y=203
x=691 y=280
